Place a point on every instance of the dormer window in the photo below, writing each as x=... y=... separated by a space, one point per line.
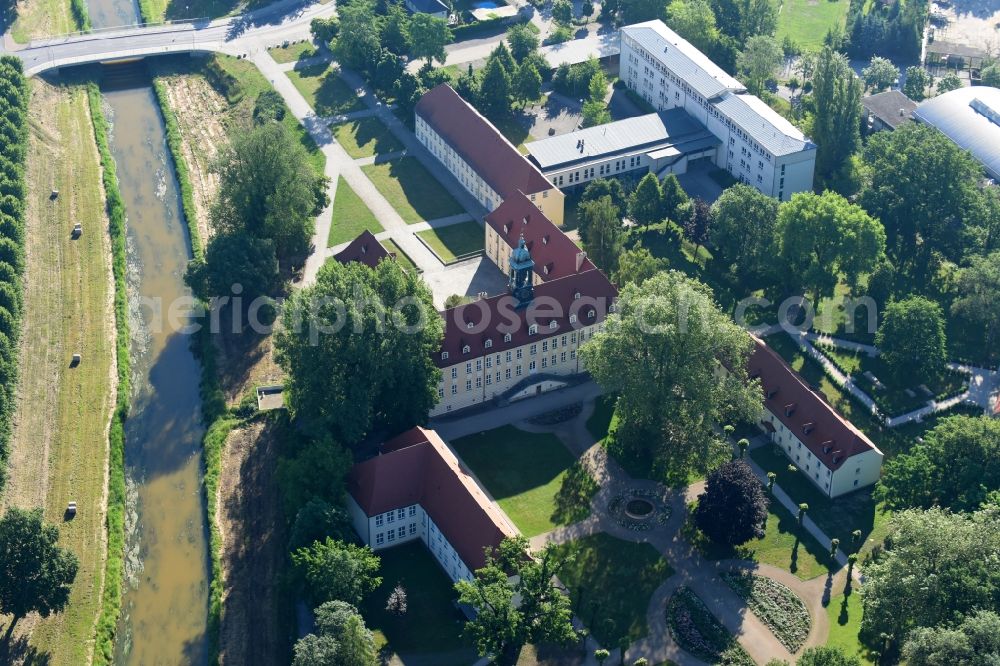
x=591 y=314
x=465 y=349
x=506 y=337
x=489 y=343
x=545 y=240
x=553 y=325
x=469 y=324
x=836 y=459
x=444 y=356
x=576 y=296
x=546 y=269
x=789 y=409
x=572 y=319
x=533 y=329
x=808 y=428
x=772 y=392
x=826 y=449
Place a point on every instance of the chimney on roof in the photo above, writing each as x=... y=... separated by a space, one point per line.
x=545 y=239
x=527 y=218
x=902 y=112
x=580 y=258
x=582 y=144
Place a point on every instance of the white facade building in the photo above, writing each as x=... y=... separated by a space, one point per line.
x=759 y=147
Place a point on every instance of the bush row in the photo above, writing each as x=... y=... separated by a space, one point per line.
x=114 y=564
x=13 y=149
x=80 y=14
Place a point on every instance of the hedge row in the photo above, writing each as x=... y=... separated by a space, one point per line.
x=13 y=149
x=80 y=15
x=114 y=564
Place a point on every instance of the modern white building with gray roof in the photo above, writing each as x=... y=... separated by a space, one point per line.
x=757 y=145
x=658 y=142
x=971 y=118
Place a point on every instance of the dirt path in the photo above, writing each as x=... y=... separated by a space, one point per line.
x=253 y=548
x=60 y=443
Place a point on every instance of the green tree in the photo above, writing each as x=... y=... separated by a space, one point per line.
x=269 y=107
x=35 y=573
x=607 y=187
x=674 y=198
x=357 y=322
x=880 y=74
x=974 y=642
x=527 y=83
x=947 y=83
x=911 y=339
x=694 y=21
x=601 y=232
x=645 y=206
x=317 y=520
x=698 y=223
x=917 y=83
x=235 y=258
x=660 y=352
x=267 y=190
x=336 y=570
x=395 y=35
x=511 y=612
x=977 y=305
x=744 y=231
x=316 y=470
x=756 y=17
x=595 y=113
x=732 y=509
x=827 y=656
x=562 y=12
x=821 y=236
x=495 y=90
x=597 y=88
x=837 y=121
x=924 y=214
x=637 y=265
x=990 y=75
x=587 y=9
x=358 y=42
x=936 y=568
x=955 y=466
x=523 y=41
x=430 y=35
x=759 y=61
x=341 y=638
x=323 y=31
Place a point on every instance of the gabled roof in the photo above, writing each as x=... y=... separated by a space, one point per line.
x=892 y=107
x=479 y=143
x=830 y=437
x=554 y=253
x=417 y=467
x=492 y=319
x=764 y=124
x=364 y=249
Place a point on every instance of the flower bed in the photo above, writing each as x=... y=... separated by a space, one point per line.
x=696 y=630
x=776 y=606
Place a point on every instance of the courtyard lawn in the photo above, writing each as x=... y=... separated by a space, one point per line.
x=432 y=623
x=844 y=614
x=412 y=190
x=610 y=583
x=837 y=518
x=365 y=137
x=292 y=53
x=401 y=257
x=324 y=90
x=454 y=241
x=532 y=477
x=350 y=216
x=807 y=21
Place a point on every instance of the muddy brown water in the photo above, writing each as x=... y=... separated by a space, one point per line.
x=165 y=599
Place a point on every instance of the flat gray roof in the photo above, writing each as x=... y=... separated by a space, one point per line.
x=682 y=58
x=654 y=131
x=971 y=118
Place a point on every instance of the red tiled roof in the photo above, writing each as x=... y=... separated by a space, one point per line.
x=472 y=324
x=418 y=468
x=480 y=144
x=364 y=249
x=799 y=407
x=554 y=253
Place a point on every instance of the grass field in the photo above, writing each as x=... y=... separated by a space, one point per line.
x=41 y=18
x=59 y=446
x=807 y=21
x=431 y=623
x=844 y=614
x=350 y=216
x=365 y=137
x=454 y=240
x=610 y=583
x=525 y=473
x=158 y=10
x=292 y=53
x=403 y=258
x=325 y=91
x=412 y=190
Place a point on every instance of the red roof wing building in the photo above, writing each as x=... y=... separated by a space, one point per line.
x=417 y=489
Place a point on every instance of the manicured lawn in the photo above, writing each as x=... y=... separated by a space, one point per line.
x=412 y=190
x=454 y=241
x=610 y=582
x=837 y=518
x=807 y=21
x=526 y=472
x=324 y=90
x=350 y=216
x=845 y=623
x=432 y=623
x=284 y=54
x=365 y=137
x=403 y=258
